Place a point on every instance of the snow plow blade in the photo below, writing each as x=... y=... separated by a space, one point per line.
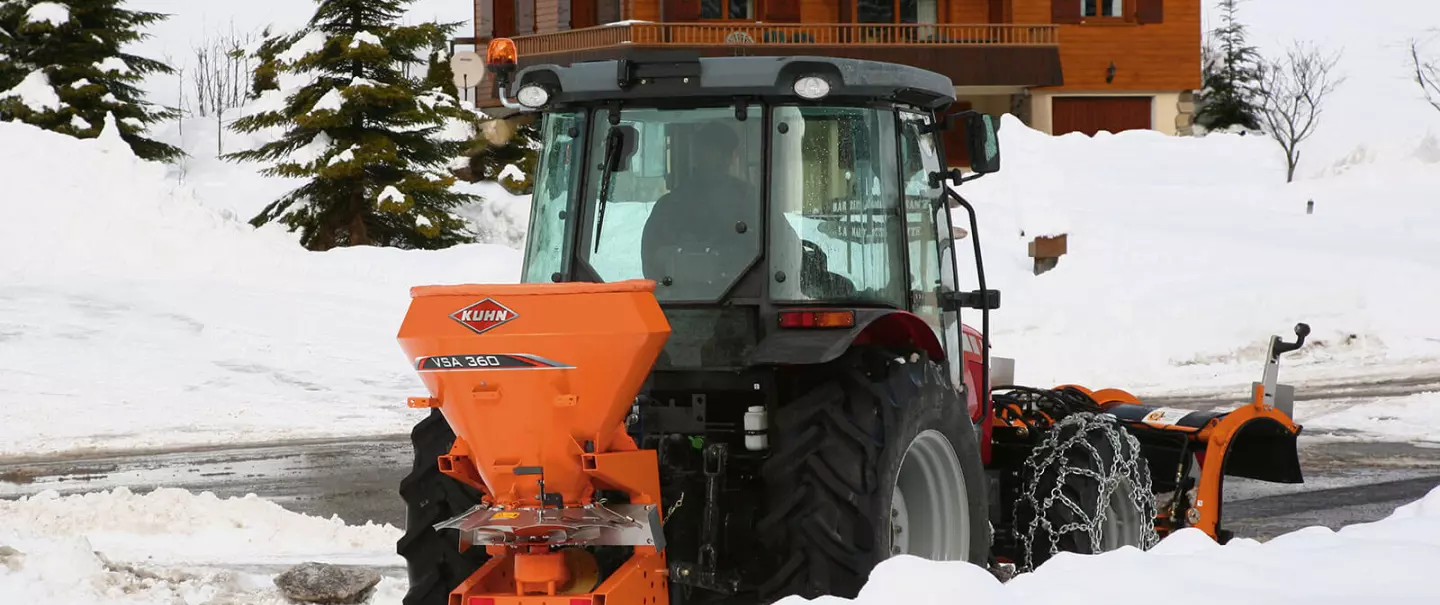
x=1191 y=452
x=536 y=380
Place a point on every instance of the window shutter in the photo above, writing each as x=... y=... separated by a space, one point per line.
x=782 y=11
x=524 y=17
x=682 y=10
x=1065 y=11
x=485 y=10
x=1150 y=11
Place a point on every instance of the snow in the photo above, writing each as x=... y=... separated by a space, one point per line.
x=79 y=123
x=199 y=328
x=391 y=194
x=311 y=42
x=81 y=83
x=313 y=150
x=1188 y=568
x=331 y=101
x=115 y=64
x=1408 y=418
x=500 y=217
x=1379 y=105
x=511 y=171
x=35 y=92
x=345 y=156
x=173 y=546
x=48 y=12
x=1397 y=552
x=1180 y=267
x=365 y=38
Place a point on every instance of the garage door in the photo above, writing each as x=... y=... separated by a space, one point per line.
x=1093 y=114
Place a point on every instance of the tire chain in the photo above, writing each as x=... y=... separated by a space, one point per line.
x=1121 y=467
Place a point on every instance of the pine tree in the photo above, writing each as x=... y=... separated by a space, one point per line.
x=64 y=70
x=439 y=75
x=267 y=73
x=368 y=138
x=1231 y=77
x=488 y=161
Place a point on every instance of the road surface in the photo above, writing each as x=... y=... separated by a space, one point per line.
x=356 y=480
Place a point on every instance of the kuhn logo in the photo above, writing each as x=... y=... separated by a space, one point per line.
x=483 y=316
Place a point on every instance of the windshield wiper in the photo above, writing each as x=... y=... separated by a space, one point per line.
x=614 y=142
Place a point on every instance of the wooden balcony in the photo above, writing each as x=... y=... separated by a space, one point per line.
x=970 y=54
x=743 y=36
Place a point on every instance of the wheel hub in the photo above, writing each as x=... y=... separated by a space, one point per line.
x=1122 y=524
x=930 y=505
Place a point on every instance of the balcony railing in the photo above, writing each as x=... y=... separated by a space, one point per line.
x=768 y=35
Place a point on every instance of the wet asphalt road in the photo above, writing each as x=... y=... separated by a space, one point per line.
x=1345 y=482
x=357 y=480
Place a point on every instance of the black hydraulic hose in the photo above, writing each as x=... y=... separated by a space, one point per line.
x=984 y=307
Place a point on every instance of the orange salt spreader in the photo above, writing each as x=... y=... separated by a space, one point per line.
x=536 y=381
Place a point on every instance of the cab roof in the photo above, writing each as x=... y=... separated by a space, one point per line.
x=675 y=77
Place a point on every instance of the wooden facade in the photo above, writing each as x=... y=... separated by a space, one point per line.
x=1051 y=49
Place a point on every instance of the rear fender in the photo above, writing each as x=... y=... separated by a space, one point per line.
x=810 y=346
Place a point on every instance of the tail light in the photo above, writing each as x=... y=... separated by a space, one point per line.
x=817 y=319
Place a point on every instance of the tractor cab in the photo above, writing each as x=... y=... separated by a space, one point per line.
x=758 y=193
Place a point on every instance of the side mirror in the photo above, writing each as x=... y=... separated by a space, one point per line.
x=983 y=142
x=978 y=299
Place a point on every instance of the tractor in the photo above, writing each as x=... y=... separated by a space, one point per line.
x=735 y=368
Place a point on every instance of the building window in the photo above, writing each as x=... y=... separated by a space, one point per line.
x=1102 y=8
x=896 y=11
x=727 y=9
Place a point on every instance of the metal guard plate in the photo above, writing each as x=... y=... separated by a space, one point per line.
x=593 y=524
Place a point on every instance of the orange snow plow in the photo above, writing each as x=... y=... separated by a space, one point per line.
x=538 y=413
x=1188 y=452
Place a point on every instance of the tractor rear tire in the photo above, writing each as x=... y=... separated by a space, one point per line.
x=433 y=560
x=1085 y=489
x=840 y=458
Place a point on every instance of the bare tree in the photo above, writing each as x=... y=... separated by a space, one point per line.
x=223 y=70
x=1292 y=94
x=1427 y=73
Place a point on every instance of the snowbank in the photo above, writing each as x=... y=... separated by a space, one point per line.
x=1186 y=254
x=144 y=319
x=1388 y=561
x=172 y=546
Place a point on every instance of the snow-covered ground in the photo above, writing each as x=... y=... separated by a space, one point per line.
x=1181 y=266
x=171 y=546
x=133 y=316
x=1387 y=561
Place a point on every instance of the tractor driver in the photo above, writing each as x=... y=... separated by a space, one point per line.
x=708 y=209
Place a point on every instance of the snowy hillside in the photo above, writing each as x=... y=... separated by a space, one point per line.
x=1181 y=266
x=133 y=316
